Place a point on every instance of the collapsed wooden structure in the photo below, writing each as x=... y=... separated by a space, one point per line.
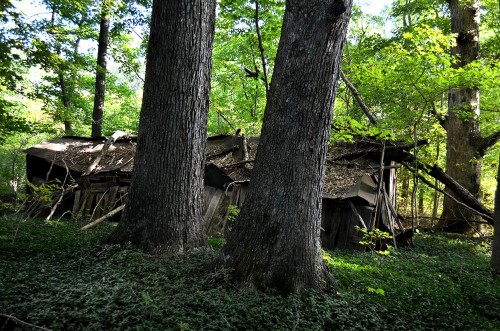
x=359 y=190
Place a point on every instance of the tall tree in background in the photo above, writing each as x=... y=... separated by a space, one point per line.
x=164 y=213
x=463 y=144
x=276 y=240
x=52 y=43
x=100 y=80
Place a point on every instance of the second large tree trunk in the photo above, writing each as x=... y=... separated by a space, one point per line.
x=164 y=212
x=276 y=240
x=463 y=162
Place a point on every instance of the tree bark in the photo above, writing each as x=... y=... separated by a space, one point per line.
x=495 y=254
x=463 y=162
x=164 y=212
x=276 y=240
x=100 y=78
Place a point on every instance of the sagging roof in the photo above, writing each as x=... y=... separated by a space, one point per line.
x=77 y=153
x=348 y=170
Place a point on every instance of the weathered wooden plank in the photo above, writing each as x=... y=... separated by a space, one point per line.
x=330 y=223
x=111 y=199
x=207 y=195
x=76 y=203
x=83 y=203
x=243 y=195
x=214 y=200
x=98 y=210
x=88 y=206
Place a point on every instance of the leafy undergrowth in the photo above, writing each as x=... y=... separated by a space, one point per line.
x=53 y=276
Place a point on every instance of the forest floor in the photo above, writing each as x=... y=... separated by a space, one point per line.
x=55 y=277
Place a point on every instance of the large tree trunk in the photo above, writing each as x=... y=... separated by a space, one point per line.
x=495 y=254
x=100 y=78
x=463 y=160
x=164 y=213
x=276 y=240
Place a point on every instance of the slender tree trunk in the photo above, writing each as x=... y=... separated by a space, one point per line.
x=164 y=212
x=435 y=205
x=495 y=254
x=66 y=100
x=421 y=195
x=100 y=78
x=261 y=47
x=405 y=191
x=276 y=240
x=68 y=127
x=463 y=162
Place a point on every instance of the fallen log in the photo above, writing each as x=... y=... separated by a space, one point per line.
x=103 y=218
x=485 y=216
x=461 y=192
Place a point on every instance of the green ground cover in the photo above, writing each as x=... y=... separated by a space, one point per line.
x=53 y=276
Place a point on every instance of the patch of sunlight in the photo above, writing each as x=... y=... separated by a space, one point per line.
x=340 y=263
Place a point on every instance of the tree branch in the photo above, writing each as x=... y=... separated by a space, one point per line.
x=441 y=120
x=18 y=321
x=250 y=73
x=261 y=47
x=488 y=142
x=358 y=98
x=225 y=119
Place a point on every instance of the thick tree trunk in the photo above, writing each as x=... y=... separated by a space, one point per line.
x=276 y=240
x=463 y=162
x=100 y=78
x=495 y=254
x=164 y=212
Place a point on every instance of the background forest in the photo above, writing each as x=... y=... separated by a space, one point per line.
x=399 y=61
